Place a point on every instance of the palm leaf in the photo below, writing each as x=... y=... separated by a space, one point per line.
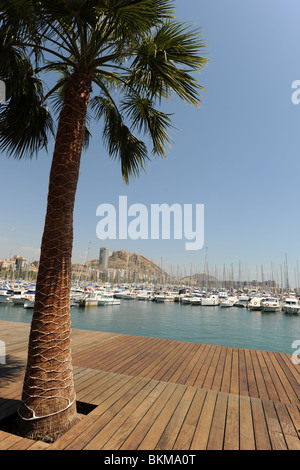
x=25 y=121
x=118 y=139
x=149 y=120
x=156 y=68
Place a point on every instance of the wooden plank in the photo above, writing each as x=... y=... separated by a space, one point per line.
x=169 y=436
x=186 y=373
x=243 y=377
x=133 y=355
x=291 y=370
x=22 y=444
x=174 y=360
x=155 y=432
x=232 y=432
x=216 y=436
x=3 y=435
x=9 y=441
x=145 y=434
x=205 y=367
x=272 y=393
x=38 y=445
x=275 y=431
x=186 y=360
x=113 y=389
x=234 y=380
x=106 y=433
x=285 y=420
x=247 y=441
x=186 y=433
x=287 y=378
x=110 y=383
x=292 y=442
x=261 y=386
x=202 y=431
x=252 y=386
x=226 y=379
x=261 y=434
x=218 y=378
x=294 y=413
x=209 y=378
x=144 y=356
x=116 y=440
x=204 y=355
x=263 y=408
x=150 y=365
x=136 y=436
x=81 y=434
x=283 y=390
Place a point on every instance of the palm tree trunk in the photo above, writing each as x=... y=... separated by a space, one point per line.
x=48 y=405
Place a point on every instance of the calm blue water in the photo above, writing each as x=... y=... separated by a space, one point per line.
x=238 y=327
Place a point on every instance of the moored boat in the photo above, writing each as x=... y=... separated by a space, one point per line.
x=291 y=305
x=212 y=300
x=5 y=296
x=90 y=299
x=196 y=300
x=164 y=297
x=18 y=297
x=108 y=299
x=271 y=304
x=226 y=303
x=255 y=303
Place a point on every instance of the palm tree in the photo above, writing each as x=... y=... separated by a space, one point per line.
x=135 y=55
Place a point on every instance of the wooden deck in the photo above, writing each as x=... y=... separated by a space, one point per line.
x=157 y=394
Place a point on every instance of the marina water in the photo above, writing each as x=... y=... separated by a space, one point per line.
x=235 y=326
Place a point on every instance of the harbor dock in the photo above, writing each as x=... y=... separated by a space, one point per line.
x=158 y=394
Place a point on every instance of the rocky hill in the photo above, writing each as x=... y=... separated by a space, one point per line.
x=137 y=265
x=131 y=262
x=200 y=280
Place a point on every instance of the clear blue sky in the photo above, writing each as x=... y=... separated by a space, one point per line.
x=238 y=154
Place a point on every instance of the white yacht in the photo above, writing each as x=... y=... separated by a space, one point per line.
x=226 y=303
x=186 y=299
x=28 y=303
x=196 y=300
x=107 y=298
x=164 y=297
x=143 y=295
x=5 y=295
x=271 y=304
x=212 y=300
x=256 y=303
x=291 y=305
x=90 y=299
x=128 y=295
x=18 y=297
x=29 y=297
x=243 y=299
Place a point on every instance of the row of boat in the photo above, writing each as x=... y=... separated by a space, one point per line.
x=91 y=295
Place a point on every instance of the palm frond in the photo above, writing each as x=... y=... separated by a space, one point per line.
x=136 y=52
x=145 y=118
x=165 y=61
x=25 y=121
x=119 y=140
